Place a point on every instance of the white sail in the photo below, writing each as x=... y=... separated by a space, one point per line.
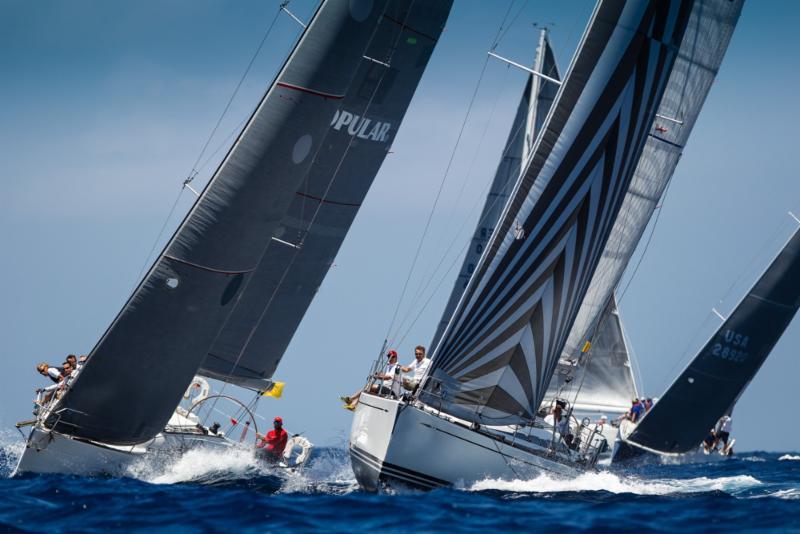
x=500 y=349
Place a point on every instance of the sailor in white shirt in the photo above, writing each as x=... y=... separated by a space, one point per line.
x=417 y=369
x=386 y=387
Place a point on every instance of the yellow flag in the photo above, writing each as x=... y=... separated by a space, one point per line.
x=276 y=391
x=586 y=347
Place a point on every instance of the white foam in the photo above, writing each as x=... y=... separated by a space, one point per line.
x=200 y=464
x=12 y=445
x=789 y=457
x=605 y=481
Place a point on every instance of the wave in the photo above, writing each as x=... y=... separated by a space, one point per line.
x=609 y=482
x=789 y=457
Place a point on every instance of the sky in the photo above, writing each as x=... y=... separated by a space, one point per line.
x=105 y=106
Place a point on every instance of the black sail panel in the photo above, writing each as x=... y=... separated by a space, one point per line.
x=532 y=278
x=286 y=280
x=533 y=107
x=138 y=370
x=720 y=372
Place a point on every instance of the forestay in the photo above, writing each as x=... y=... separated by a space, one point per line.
x=708 y=33
x=720 y=372
x=319 y=134
x=607 y=384
x=533 y=107
x=500 y=349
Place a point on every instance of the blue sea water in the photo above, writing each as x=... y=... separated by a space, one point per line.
x=207 y=491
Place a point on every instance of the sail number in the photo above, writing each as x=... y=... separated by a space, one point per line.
x=732 y=347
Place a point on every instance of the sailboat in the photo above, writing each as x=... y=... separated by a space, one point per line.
x=225 y=296
x=593 y=378
x=712 y=383
x=476 y=413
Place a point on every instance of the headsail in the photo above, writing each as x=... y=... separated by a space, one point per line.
x=501 y=347
x=717 y=376
x=533 y=107
x=704 y=43
x=322 y=128
x=608 y=384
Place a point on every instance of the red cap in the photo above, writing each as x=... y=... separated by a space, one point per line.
x=278 y=420
x=391 y=354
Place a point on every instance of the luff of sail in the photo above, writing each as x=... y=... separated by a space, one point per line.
x=144 y=361
x=608 y=384
x=711 y=25
x=713 y=381
x=533 y=107
x=504 y=340
x=252 y=342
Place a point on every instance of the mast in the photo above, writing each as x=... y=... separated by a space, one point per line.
x=534 y=104
x=504 y=340
x=327 y=119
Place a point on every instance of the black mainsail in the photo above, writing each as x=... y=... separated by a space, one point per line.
x=533 y=107
x=267 y=226
x=503 y=342
x=717 y=376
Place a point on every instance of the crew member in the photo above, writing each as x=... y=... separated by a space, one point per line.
x=275 y=441
x=387 y=376
x=417 y=368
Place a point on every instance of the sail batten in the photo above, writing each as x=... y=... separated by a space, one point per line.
x=539 y=262
x=322 y=130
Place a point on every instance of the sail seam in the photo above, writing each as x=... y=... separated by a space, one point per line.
x=204 y=268
x=310 y=91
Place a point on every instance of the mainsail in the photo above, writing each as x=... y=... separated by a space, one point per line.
x=536 y=100
x=501 y=347
x=608 y=384
x=265 y=229
x=704 y=43
x=719 y=374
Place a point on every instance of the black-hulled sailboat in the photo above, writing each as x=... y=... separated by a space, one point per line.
x=712 y=383
x=228 y=291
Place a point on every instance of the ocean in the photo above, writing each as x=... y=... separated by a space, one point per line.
x=208 y=491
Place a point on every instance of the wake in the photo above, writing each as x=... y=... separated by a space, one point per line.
x=616 y=484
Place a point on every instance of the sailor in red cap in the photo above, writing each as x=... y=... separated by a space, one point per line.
x=275 y=441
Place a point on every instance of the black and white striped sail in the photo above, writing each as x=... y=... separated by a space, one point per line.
x=533 y=107
x=265 y=230
x=501 y=347
x=720 y=372
x=607 y=384
x=704 y=43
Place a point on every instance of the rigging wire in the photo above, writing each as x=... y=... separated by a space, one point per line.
x=446 y=173
x=423 y=285
x=195 y=170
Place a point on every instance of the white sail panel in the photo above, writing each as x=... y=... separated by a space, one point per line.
x=708 y=33
x=602 y=379
x=501 y=347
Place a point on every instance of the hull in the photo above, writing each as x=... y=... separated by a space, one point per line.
x=52 y=452
x=397 y=444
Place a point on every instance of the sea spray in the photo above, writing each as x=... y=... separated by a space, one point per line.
x=613 y=483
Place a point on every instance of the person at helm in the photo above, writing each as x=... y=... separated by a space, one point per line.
x=275 y=441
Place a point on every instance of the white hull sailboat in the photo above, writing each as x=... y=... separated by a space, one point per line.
x=225 y=296
x=410 y=444
x=478 y=411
